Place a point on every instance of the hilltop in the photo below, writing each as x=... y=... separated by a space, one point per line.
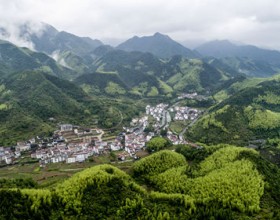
x=228 y=182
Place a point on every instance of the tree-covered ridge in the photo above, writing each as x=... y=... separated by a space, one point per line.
x=238 y=184
x=252 y=113
x=73 y=190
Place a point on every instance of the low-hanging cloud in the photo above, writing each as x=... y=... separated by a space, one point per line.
x=252 y=21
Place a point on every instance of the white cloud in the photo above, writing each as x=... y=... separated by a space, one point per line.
x=250 y=21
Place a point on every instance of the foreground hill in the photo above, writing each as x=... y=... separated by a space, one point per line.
x=159 y=45
x=229 y=183
x=250 y=114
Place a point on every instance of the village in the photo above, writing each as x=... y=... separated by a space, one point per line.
x=71 y=144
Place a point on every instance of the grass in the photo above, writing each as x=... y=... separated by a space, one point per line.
x=52 y=174
x=3 y=106
x=178 y=126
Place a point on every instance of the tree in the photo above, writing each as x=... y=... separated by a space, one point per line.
x=157 y=143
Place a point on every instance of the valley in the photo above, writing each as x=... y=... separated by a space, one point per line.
x=148 y=129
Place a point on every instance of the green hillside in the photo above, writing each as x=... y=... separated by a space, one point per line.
x=142 y=74
x=230 y=183
x=252 y=113
x=193 y=75
x=29 y=99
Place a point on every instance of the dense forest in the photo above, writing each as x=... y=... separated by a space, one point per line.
x=211 y=182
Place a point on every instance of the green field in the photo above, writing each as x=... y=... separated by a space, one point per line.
x=178 y=126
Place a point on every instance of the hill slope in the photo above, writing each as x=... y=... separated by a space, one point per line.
x=252 y=113
x=29 y=99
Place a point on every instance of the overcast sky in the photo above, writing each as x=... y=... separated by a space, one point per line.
x=187 y=21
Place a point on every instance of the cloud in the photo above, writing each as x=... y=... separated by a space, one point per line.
x=250 y=21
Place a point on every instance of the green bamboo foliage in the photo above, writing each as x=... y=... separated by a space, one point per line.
x=173 y=180
x=224 y=185
x=71 y=191
x=222 y=157
x=38 y=197
x=158 y=163
x=236 y=185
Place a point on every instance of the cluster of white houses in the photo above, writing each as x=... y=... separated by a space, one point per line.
x=188 y=95
x=6 y=155
x=156 y=111
x=78 y=146
x=185 y=113
x=135 y=142
x=72 y=144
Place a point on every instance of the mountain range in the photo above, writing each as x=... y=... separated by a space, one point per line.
x=79 y=53
x=86 y=75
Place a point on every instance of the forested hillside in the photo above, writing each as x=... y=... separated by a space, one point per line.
x=249 y=114
x=28 y=99
x=227 y=183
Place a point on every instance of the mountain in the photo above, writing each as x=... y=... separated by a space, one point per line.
x=224 y=48
x=16 y=59
x=160 y=45
x=142 y=74
x=68 y=49
x=250 y=114
x=49 y=40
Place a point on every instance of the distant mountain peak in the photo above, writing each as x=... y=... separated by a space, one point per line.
x=158 y=44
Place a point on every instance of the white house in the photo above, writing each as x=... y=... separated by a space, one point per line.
x=66 y=127
x=22 y=146
x=80 y=157
x=71 y=160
